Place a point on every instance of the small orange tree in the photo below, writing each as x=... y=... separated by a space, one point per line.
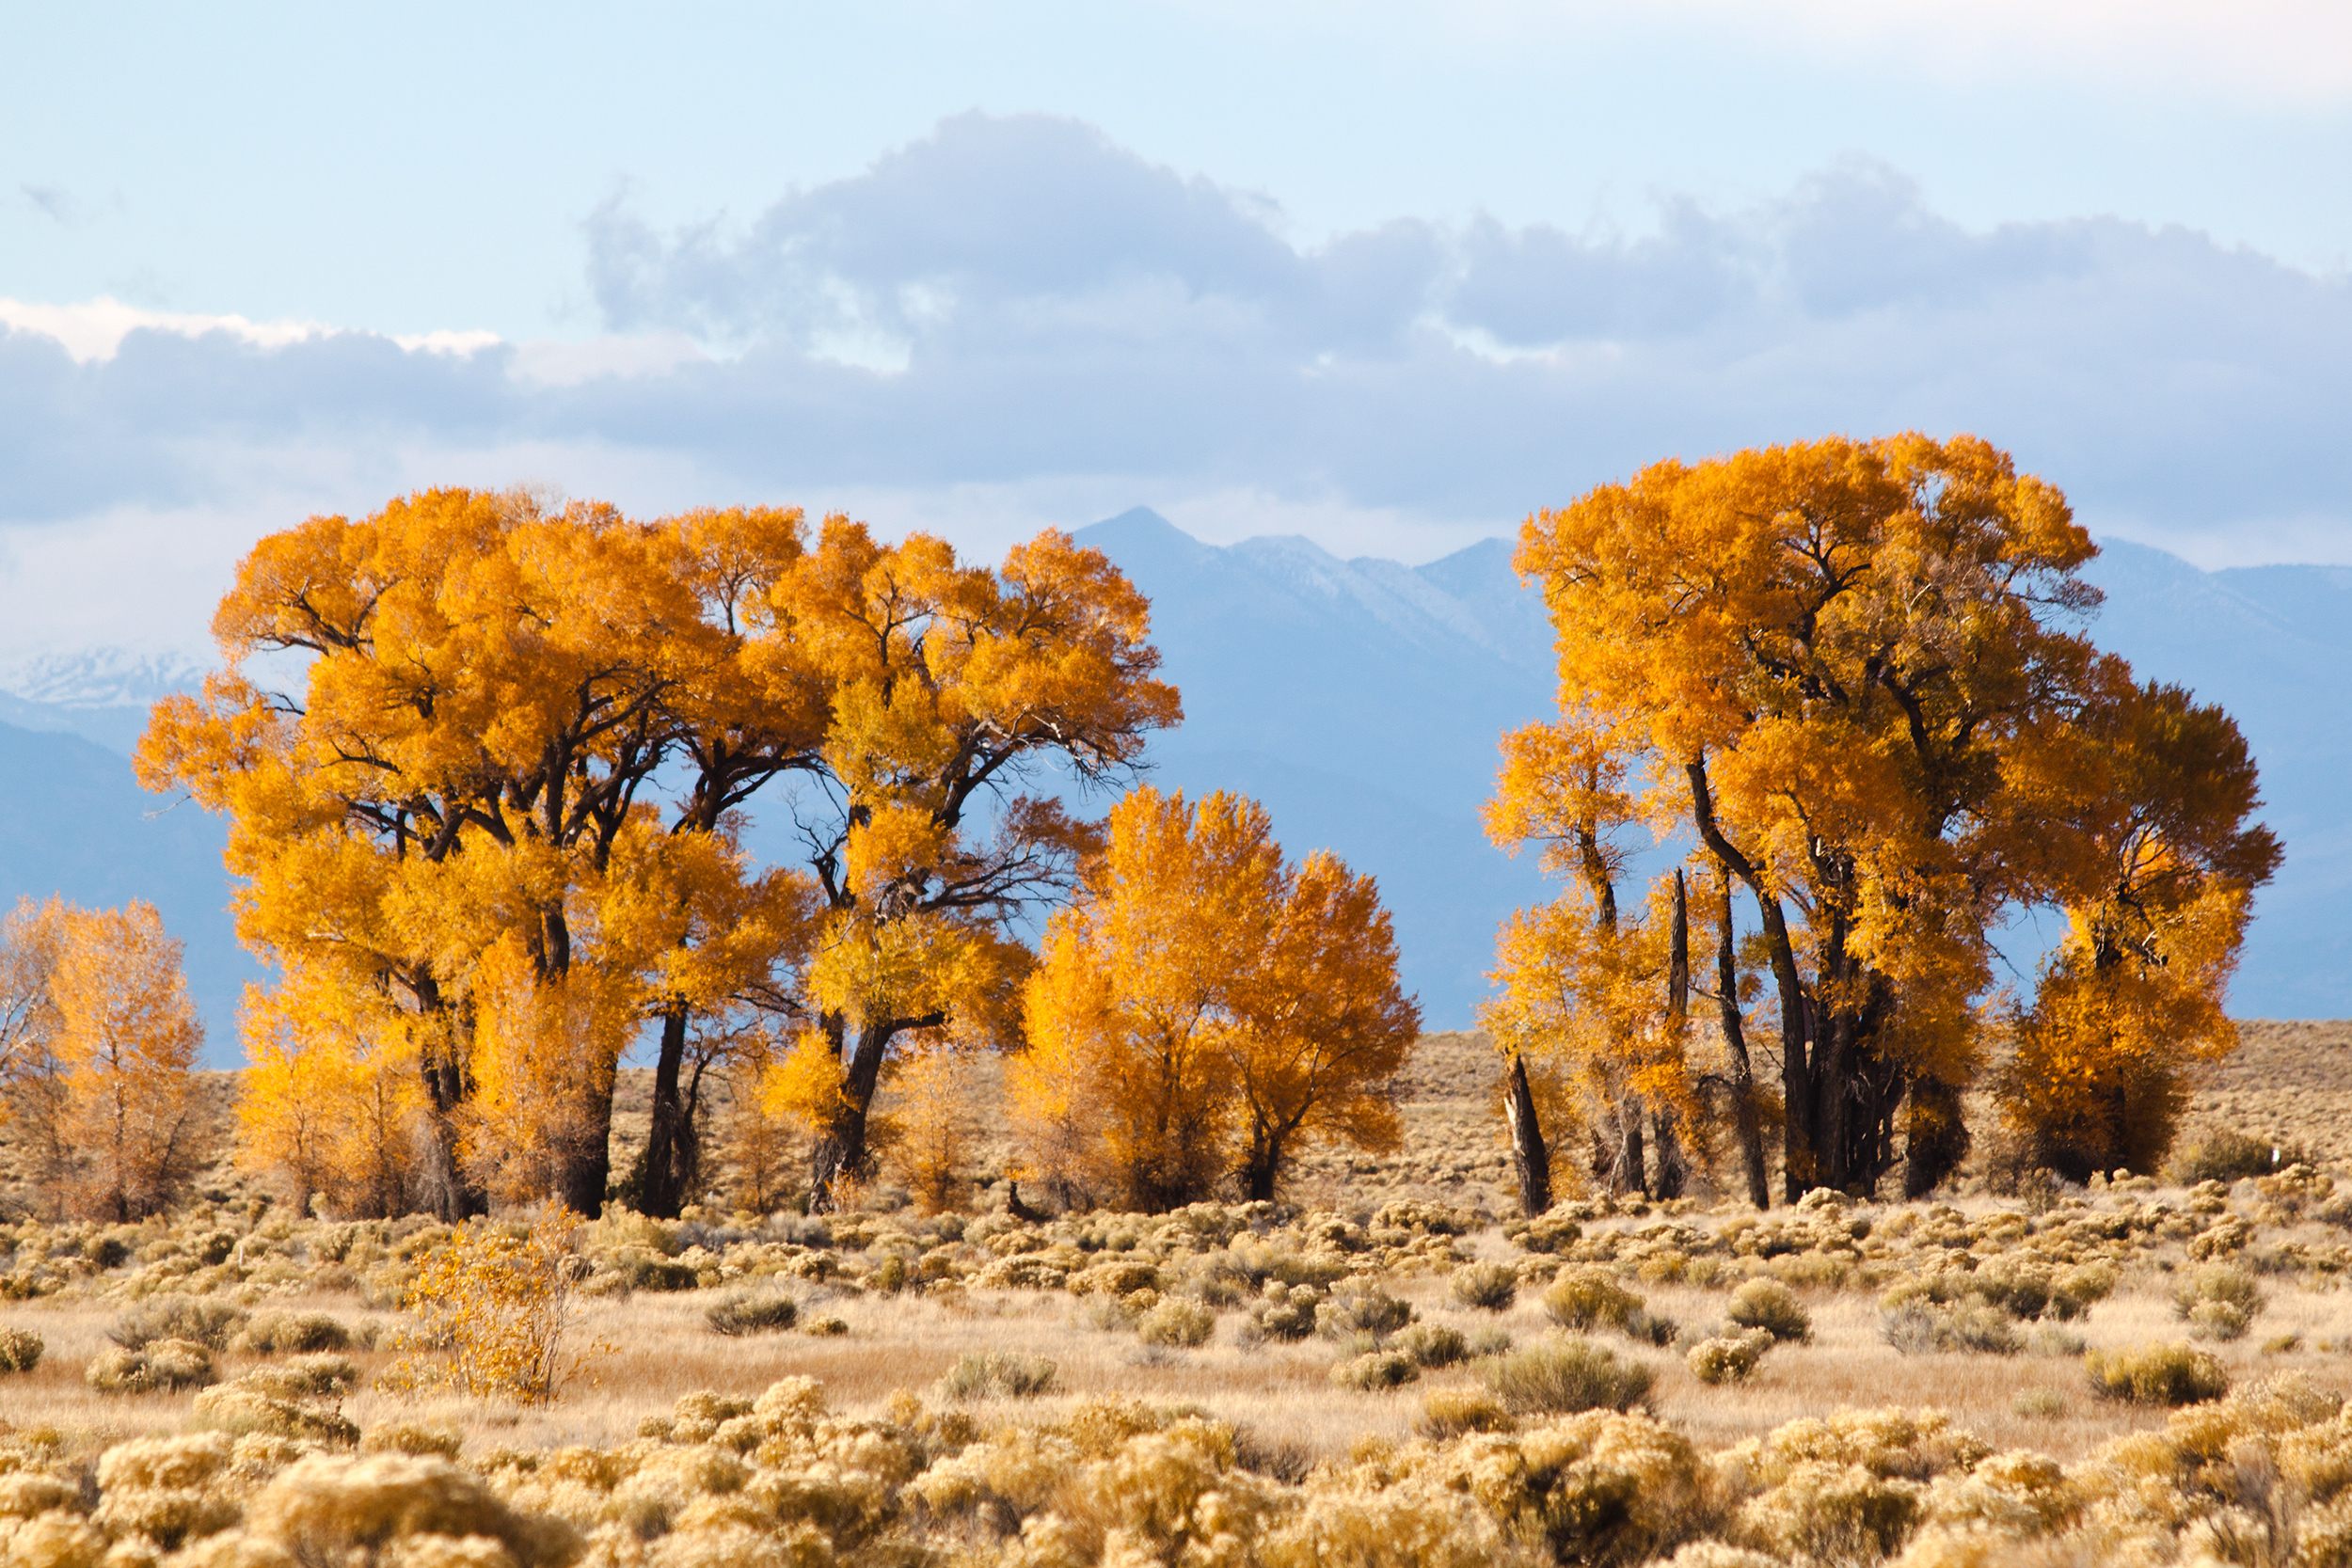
x=492 y=1312
x=1207 y=1009
x=125 y=1045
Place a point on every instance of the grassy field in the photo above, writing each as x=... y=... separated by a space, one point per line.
x=893 y=1304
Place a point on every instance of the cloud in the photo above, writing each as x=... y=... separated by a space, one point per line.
x=1017 y=310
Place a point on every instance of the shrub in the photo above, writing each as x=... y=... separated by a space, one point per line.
x=1431 y=1345
x=1486 y=1287
x=2228 y=1155
x=161 y=1364
x=1566 y=1377
x=1364 y=1309
x=250 y=1404
x=752 y=1312
x=1768 y=1305
x=279 y=1333
x=998 y=1374
x=426 y=1511
x=492 y=1309
x=208 y=1322
x=2219 y=1301
x=1975 y=1327
x=20 y=1350
x=412 y=1437
x=1584 y=1296
x=2156 y=1374
x=1729 y=1358
x=1178 y=1323
x=1284 y=1311
x=1447 y=1412
x=1375 y=1369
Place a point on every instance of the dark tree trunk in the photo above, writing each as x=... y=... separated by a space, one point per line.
x=663 y=1169
x=1744 y=1112
x=1257 y=1175
x=444 y=1186
x=1629 y=1171
x=1938 y=1138
x=1672 y=1168
x=1531 y=1160
x=840 y=1149
x=588 y=1170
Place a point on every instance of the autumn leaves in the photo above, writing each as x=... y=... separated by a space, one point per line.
x=1847 y=685
x=489 y=764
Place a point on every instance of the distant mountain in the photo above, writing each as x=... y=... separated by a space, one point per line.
x=1362 y=701
x=74 y=821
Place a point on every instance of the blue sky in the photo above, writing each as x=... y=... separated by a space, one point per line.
x=1388 y=275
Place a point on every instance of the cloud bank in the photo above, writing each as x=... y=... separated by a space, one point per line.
x=1014 y=307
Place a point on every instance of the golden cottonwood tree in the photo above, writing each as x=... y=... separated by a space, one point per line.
x=484 y=758
x=1207 y=1009
x=2157 y=911
x=948 y=688
x=32 y=1083
x=1827 y=667
x=125 y=1047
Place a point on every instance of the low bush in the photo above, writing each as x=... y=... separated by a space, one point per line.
x=293 y=1333
x=163 y=1365
x=1486 y=1287
x=2228 y=1155
x=2219 y=1301
x=1972 y=1328
x=1768 y=1305
x=1375 y=1369
x=1584 y=1297
x=1284 y=1311
x=1177 y=1323
x=2156 y=1374
x=1565 y=1376
x=205 y=1322
x=1363 y=1310
x=1431 y=1345
x=740 y=1312
x=998 y=1375
x=412 y=1437
x=1448 y=1413
x=20 y=1350
x=1730 y=1357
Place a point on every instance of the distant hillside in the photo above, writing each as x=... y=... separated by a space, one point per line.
x=1362 y=701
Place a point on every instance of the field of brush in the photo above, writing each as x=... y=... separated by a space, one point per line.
x=1385 y=1368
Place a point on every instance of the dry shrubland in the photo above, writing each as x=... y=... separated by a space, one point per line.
x=2134 y=1370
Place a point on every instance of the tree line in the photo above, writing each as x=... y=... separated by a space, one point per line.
x=1828 y=714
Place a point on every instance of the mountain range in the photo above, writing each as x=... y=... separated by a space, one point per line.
x=1360 y=701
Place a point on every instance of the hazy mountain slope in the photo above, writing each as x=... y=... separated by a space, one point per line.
x=2272 y=645
x=74 y=821
x=1361 y=699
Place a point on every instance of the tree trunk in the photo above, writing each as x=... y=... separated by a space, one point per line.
x=1671 y=1165
x=1259 y=1172
x=660 y=1182
x=840 y=1149
x=1938 y=1138
x=1631 y=1169
x=1529 y=1160
x=1744 y=1113
x=588 y=1169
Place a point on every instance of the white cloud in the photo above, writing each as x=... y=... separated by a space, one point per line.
x=1074 y=330
x=93 y=330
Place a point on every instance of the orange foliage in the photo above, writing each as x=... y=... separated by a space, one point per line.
x=1207 y=1009
x=1843 y=674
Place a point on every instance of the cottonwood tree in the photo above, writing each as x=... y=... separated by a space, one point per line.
x=1206 y=1010
x=950 y=690
x=2156 y=911
x=484 y=758
x=1826 y=668
x=125 y=1047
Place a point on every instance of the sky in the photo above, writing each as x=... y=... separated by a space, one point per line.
x=1388 y=275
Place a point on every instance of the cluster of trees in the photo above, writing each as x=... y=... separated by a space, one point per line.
x=98 y=1044
x=1827 y=719
x=1845 y=685
x=487 y=765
